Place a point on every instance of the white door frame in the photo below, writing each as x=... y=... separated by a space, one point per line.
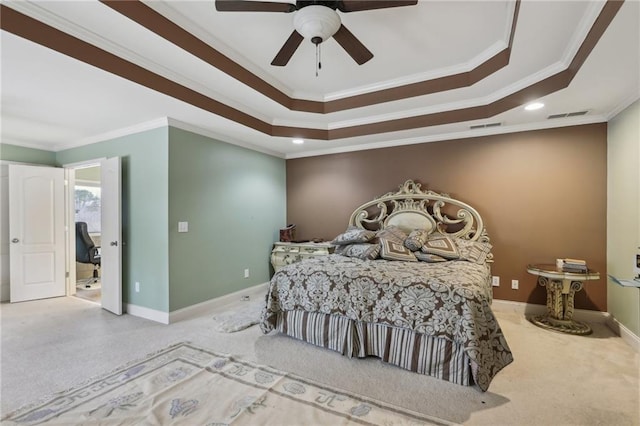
x=70 y=175
x=70 y=180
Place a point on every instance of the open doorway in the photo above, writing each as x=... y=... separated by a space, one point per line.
x=46 y=208
x=87 y=202
x=106 y=233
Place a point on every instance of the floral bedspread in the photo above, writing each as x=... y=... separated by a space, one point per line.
x=450 y=300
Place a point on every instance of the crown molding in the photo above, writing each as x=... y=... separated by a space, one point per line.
x=143 y=127
x=433 y=109
x=634 y=96
x=113 y=134
x=582 y=30
x=489 y=131
x=221 y=137
x=468 y=66
x=43 y=146
x=167 y=121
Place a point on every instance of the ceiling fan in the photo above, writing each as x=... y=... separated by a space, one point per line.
x=317 y=21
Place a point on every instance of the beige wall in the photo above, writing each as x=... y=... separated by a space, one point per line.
x=542 y=195
x=623 y=224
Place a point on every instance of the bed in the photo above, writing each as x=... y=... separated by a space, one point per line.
x=410 y=283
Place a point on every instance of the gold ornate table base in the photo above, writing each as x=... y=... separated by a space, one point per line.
x=559 y=316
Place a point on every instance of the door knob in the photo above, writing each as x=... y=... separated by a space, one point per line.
x=113 y=243
x=15 y=240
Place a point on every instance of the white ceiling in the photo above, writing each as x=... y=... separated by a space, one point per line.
x=52 y=101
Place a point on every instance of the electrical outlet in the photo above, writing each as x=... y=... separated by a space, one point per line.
x=515 y=284
x=246 y=273
x=495 y=281
x=137 y=287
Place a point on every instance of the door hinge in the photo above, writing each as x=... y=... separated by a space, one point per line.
x=66 y=274
x=66 y=182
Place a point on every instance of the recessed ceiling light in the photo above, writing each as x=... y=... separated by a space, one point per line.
x=298 y=141
x=534 y=106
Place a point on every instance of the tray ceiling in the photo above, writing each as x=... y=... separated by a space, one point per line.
x=78 y=72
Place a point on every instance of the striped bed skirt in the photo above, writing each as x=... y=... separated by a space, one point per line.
x=412 y=351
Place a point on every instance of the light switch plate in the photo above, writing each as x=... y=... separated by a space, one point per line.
x=183 y=226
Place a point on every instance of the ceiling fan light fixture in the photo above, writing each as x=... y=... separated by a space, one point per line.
x=313 y=22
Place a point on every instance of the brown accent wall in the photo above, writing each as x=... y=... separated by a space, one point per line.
x=542 y=194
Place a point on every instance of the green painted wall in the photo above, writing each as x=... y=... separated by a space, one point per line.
x=234 y=200
x=623 y=214
x=144 y=211
x=27 y=155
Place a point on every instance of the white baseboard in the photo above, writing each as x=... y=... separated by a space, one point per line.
x=194 y=310
x=626 y=334
x=147 y=313
x=531 y=309
x=584 y=315
x=202 y=308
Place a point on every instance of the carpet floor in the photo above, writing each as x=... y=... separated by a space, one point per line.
x=89 y=290
x=189 y=385
x=92 y=295
x=51 y=345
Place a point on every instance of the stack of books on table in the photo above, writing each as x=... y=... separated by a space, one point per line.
x=574 y=265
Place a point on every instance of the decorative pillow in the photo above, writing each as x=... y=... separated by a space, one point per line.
x=473 y=251
x=442 y=246
x=392 y=233
x=393 y=250
x=352 y=235
x=416 y=239
x=364 y=251
x=429 y=258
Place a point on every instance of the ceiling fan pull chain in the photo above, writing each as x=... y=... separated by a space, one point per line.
x=317 y=58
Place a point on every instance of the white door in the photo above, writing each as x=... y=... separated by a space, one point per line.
x=111 y=236
x=36 y=232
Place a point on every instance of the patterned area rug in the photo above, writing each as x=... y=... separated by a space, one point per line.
x=188 y=385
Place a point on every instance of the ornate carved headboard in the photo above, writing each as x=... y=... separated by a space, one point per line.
x=411 y=208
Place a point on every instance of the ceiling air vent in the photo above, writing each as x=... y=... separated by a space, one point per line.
x=568 y=114
x=482 y=126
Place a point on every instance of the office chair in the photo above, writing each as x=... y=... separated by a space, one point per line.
x=86 y=250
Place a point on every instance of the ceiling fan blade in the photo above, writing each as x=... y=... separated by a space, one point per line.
x=358 y=5
x=288 y=49
x=352 y=45
x=253 y=6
